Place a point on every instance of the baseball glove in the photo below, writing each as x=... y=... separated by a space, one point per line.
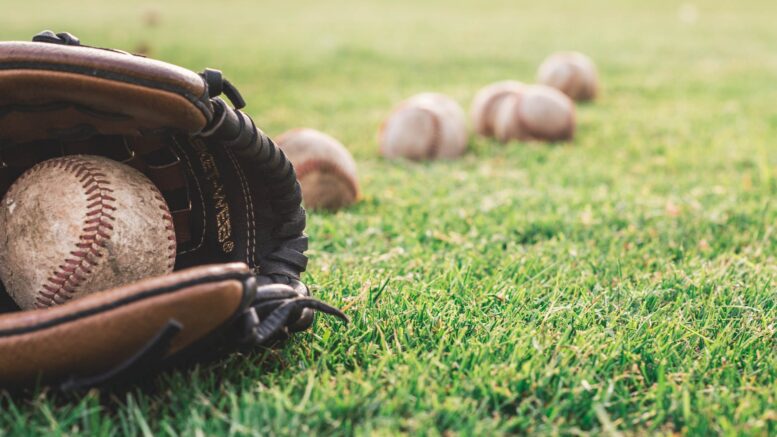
x=233 y=195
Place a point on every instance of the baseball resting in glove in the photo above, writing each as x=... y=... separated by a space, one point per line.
x=232 y=194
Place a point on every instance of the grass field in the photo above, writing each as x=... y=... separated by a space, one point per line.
x=625 y=282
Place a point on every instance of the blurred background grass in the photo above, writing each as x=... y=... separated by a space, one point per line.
x=621 y=282
x=339 y=64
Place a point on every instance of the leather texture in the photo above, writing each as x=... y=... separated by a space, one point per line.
x=61 y=87
x=95 y=333
x=233 y=196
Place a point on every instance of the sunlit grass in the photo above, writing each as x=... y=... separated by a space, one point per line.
x=624 y=282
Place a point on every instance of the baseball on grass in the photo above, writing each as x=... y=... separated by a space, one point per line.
x=485 y=102
x=426 y=126
x=74 y=225
x=507 y=111
x=572 y=73
x=325 y=169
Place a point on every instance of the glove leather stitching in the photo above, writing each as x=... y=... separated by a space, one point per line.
x=250 y=247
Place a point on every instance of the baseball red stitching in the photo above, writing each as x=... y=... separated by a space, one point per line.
x=170 y=228
x=489 y=110
x=96 y=231
x=568 y=86
x=312 y=165
x=435 y=140
x=523 y=129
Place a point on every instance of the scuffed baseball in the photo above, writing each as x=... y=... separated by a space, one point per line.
x=537 y=113
x=572 y=73
x=325 y=169
x=485 y=102
x=425 y=126
x=74 y=225
x=513 y=111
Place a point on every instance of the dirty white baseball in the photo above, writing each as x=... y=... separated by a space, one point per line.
x=572 y=73
x=536 y=113
x=78 y=224
x=325 y=169
x=425 y=126
x=485 y=102
x=510 y=110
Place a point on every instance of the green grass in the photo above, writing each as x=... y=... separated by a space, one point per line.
x=621 y=283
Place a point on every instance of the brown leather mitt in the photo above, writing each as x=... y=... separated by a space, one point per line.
x=233 y=196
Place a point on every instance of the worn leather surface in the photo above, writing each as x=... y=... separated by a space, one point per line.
x=78 y=224
x=35 y=105
x=425 y=126
x=50 y=57
x=99 y=331
x=233 y=197
x=81 y=85
x=325 y=169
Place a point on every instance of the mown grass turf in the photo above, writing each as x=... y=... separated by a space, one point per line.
x=624 y=282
